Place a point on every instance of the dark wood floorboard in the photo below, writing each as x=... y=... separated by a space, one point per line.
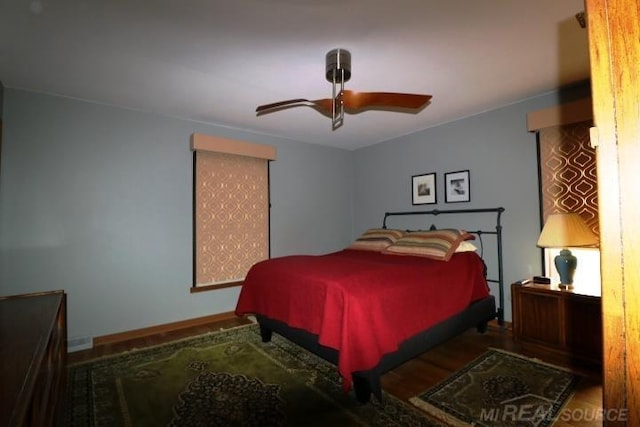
x=417 y=375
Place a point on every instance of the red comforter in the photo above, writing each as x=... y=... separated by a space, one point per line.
x=362 y=303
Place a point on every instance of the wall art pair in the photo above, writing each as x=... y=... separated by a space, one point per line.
x=456 y=188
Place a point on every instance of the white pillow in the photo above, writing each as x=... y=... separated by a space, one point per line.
x=466 y=246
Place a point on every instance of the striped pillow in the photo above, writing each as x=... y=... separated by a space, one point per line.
x=437 y=244
x=376 y=239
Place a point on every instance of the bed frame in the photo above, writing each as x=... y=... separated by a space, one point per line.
x=478 y=314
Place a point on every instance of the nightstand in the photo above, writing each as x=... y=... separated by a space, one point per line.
x=562 y=321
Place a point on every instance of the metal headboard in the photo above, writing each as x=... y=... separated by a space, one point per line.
x=497 y=232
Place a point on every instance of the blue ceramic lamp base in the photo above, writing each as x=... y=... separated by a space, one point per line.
x=566 y=265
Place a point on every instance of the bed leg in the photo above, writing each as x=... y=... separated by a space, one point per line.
x=500 y=316
x=265 y=333
x=364 y=384
x=362 y=389
x=482 y=327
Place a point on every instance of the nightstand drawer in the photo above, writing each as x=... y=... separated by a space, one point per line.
x=539 y=318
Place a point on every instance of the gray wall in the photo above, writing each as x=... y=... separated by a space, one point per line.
x=1 y=99
x=502 y=159
x=97 y=200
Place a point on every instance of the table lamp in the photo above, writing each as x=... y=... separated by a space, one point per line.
x=563 y=230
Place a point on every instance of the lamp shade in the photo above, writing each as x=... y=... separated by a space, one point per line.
x=564 y=230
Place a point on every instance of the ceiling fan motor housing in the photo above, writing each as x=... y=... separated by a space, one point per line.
x=338 y=61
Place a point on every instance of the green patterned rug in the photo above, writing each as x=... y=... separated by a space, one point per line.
x=500 y=389
x=227 y=378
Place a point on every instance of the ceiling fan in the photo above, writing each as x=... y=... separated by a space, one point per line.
x=338 y=71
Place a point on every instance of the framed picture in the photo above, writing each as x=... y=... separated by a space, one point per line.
x=423 y=189
x=456 y=186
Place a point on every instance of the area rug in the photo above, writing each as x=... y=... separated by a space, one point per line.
x=227 y=378
x=500 y=389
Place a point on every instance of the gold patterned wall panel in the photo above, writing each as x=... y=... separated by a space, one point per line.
x=231 y=216
x=568 y=172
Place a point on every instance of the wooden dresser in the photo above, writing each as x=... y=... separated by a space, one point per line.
x=563 y=321
x=33 y=356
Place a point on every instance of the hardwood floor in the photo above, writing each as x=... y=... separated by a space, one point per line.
x=420 y=373
x=431 y=367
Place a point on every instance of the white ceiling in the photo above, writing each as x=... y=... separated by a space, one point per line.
x=216 y=60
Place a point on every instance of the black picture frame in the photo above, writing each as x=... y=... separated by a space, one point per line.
x=457 y=187
x=423 y=189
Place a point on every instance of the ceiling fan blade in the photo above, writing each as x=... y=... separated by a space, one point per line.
x=322 y=105
x=281 y=104
x=353 y=101
x=358 y=100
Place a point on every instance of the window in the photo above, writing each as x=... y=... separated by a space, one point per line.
x=231 y=209
x=568 y=180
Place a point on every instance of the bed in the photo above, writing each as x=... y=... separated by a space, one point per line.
x=390 y=296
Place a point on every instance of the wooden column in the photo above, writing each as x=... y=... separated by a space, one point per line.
x=614 y=45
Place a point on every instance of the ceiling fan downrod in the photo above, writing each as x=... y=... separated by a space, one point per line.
x=338 y=71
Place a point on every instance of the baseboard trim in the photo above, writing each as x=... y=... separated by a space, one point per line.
x=158 y=329
x=77 y=344
x=174 y=326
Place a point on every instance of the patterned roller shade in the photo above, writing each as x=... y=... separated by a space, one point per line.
x=568 y=172
x=231 y=216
